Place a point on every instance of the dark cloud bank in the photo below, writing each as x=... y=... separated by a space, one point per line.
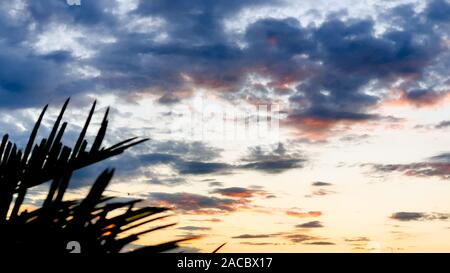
x=327 y=66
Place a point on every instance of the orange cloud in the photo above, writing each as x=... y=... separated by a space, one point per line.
x=304 y=214
x=400 y=98
x=317 y=129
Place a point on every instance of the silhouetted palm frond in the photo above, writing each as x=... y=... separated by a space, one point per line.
x=94 y=223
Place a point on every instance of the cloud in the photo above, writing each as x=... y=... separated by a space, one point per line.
x=320 y=243
x=358 y=239
x=184 y=159
x=301 y=214
x=438 y=10
x=194 y=228
x=197 y=167
x=442 y=124
x=424 y=169
x=258 y=243
x=418 y=98
x=212 y=220
x=252 y=236
x=196 y=203
x=193 y=159
x=419 y=216
x=168 y=99
x=321 y=191
x=321 y=184
x=436 y=166
x=239 y=192
x=354 y=138
x=312 y=224
x=332 y=72
x=195 y=150
x=215 y=184
x=275 y=159
x=300 y=238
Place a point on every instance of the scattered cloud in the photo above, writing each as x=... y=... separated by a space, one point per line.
x=194 y=228
x=275 y=159
x=419 y=216
x=259 y=243
x=321 y=184
x=239 y=192
x=300 y=238
x=357 y=239
x=252 y=236
x=301 y=214
x=320 y=192
x=312 y=224
x=320 y=243
x=196 y=203
x=442 y=124
x=436 y=166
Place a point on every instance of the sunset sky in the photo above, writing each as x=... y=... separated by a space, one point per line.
x=274 y=125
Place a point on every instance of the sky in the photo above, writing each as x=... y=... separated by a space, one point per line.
x=274 y=125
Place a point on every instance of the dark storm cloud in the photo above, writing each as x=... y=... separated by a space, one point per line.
x=438 y=10
x=183 y=166
x=196 y=45
x=168 y=99
x=352 y=57
x=190 y=159
x=274 y=166
x=197 y=167
x=195 y=159
x=330 y=64
x=180 y=155
x=90 y=13
x=419 y=216
x=198 y=21
x=195 y=150
x=29 y=78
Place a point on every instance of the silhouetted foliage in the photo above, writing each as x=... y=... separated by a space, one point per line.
x=96 y=223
